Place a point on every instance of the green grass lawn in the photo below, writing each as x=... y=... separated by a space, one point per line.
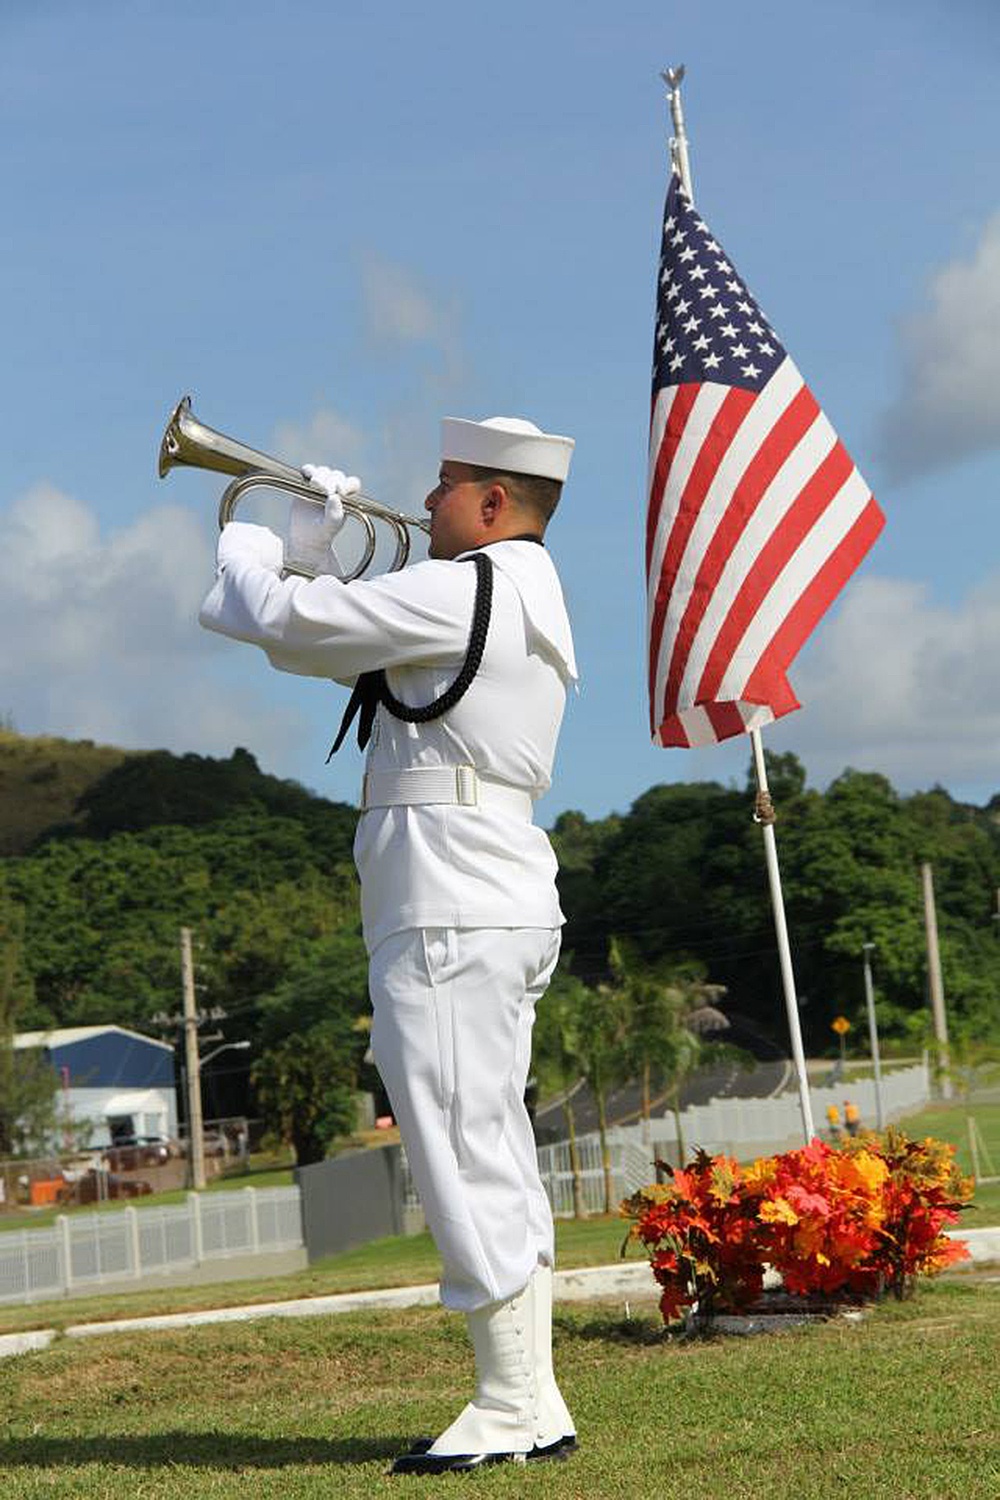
x=900 y=1407
x=949 y=1122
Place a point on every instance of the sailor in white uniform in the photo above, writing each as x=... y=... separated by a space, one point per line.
x=461 y=666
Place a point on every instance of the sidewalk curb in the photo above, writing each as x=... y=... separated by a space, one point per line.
x=581 y=1285
x=25 y=1343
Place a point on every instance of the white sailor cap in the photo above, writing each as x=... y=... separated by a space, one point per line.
x=510 y=445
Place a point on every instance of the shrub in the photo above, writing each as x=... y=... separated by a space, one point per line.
x=850 y=1221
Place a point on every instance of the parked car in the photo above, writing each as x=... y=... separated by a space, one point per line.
x=95 y=1186
x=132 y=1151
x=214 y=1143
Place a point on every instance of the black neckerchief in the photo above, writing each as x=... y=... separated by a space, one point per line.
x=371 y=688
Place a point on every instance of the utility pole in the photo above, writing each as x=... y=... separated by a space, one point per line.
x=196 y=1138
x=935 y=981
x=873 y=1035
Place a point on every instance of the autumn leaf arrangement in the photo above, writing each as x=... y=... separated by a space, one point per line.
x=853 y=1222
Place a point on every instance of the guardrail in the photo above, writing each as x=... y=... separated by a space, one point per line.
x=80 y=1252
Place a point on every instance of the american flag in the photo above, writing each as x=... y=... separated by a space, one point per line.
x=757 y=515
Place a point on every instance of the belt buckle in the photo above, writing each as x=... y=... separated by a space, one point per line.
x=466 y=786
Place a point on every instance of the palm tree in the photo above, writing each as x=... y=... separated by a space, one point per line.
x=604 y=1059
x=556 y=1060
x=671 y=1017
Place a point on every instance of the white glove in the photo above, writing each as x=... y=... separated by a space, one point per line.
x=241 y=541
x=337 y=487
x=312 y=527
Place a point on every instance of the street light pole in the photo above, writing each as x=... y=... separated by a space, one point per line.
x=867 y=949
x=226 y=1047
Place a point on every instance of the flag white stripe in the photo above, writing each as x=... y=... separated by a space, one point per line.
x=780 y=495
x=814 y=551
x=698 y=726
x=755 y=715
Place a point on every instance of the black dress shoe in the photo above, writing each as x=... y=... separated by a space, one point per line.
x=451 y=1463
x=418 y=1460
x=561 y=1448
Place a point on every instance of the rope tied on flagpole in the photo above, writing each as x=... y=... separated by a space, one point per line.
x=763 y=808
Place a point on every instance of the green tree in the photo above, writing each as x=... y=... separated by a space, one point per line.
x=602 y=1048
x=306 y=1089
x=306 y=1079
x=671 y=1019
x=28 y=1085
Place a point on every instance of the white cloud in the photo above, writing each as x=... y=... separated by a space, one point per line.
x=897 y=683
x=101 y=635
x=947 y=407
x=396 y=453
x=326 y=437
x=399 y=309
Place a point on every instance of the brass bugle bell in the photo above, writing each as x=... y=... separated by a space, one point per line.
x=188 y=442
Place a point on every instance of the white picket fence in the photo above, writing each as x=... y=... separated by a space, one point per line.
x=631 y=1168
x=80 y=1252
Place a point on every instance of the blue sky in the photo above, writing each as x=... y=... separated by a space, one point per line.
x=333 y=226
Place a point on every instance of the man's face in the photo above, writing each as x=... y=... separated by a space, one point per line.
x=455 y=506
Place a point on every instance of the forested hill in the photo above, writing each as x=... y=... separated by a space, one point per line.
x=52 y=788
x=41 y=782
x=108 y=853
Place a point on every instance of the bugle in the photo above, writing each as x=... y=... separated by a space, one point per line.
x=188 y=442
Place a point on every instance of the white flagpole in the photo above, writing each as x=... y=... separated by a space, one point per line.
x=764 y=815
x=763 y=812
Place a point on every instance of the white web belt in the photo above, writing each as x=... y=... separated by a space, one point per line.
x=458 y=786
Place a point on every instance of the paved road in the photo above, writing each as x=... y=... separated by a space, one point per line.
x=724 y=1081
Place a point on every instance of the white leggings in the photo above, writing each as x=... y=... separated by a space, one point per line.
x=451 y=1037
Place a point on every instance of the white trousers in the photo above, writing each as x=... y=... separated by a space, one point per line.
x=451 y=1037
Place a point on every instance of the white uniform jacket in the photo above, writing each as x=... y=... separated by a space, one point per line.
x=435 y=865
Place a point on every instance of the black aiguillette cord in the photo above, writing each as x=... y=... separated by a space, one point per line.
x=371 y=688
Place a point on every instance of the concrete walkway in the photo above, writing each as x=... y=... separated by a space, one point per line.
x=624 y=1279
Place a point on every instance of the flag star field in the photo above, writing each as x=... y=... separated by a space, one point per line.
x=710 y=327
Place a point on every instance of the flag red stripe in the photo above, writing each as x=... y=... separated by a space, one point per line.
x=810 y=503
x=725 y=719
x=796 y=419
x=671 y=732
x=767 y=683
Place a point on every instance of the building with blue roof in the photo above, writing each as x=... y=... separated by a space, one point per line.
x=118 y=1080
